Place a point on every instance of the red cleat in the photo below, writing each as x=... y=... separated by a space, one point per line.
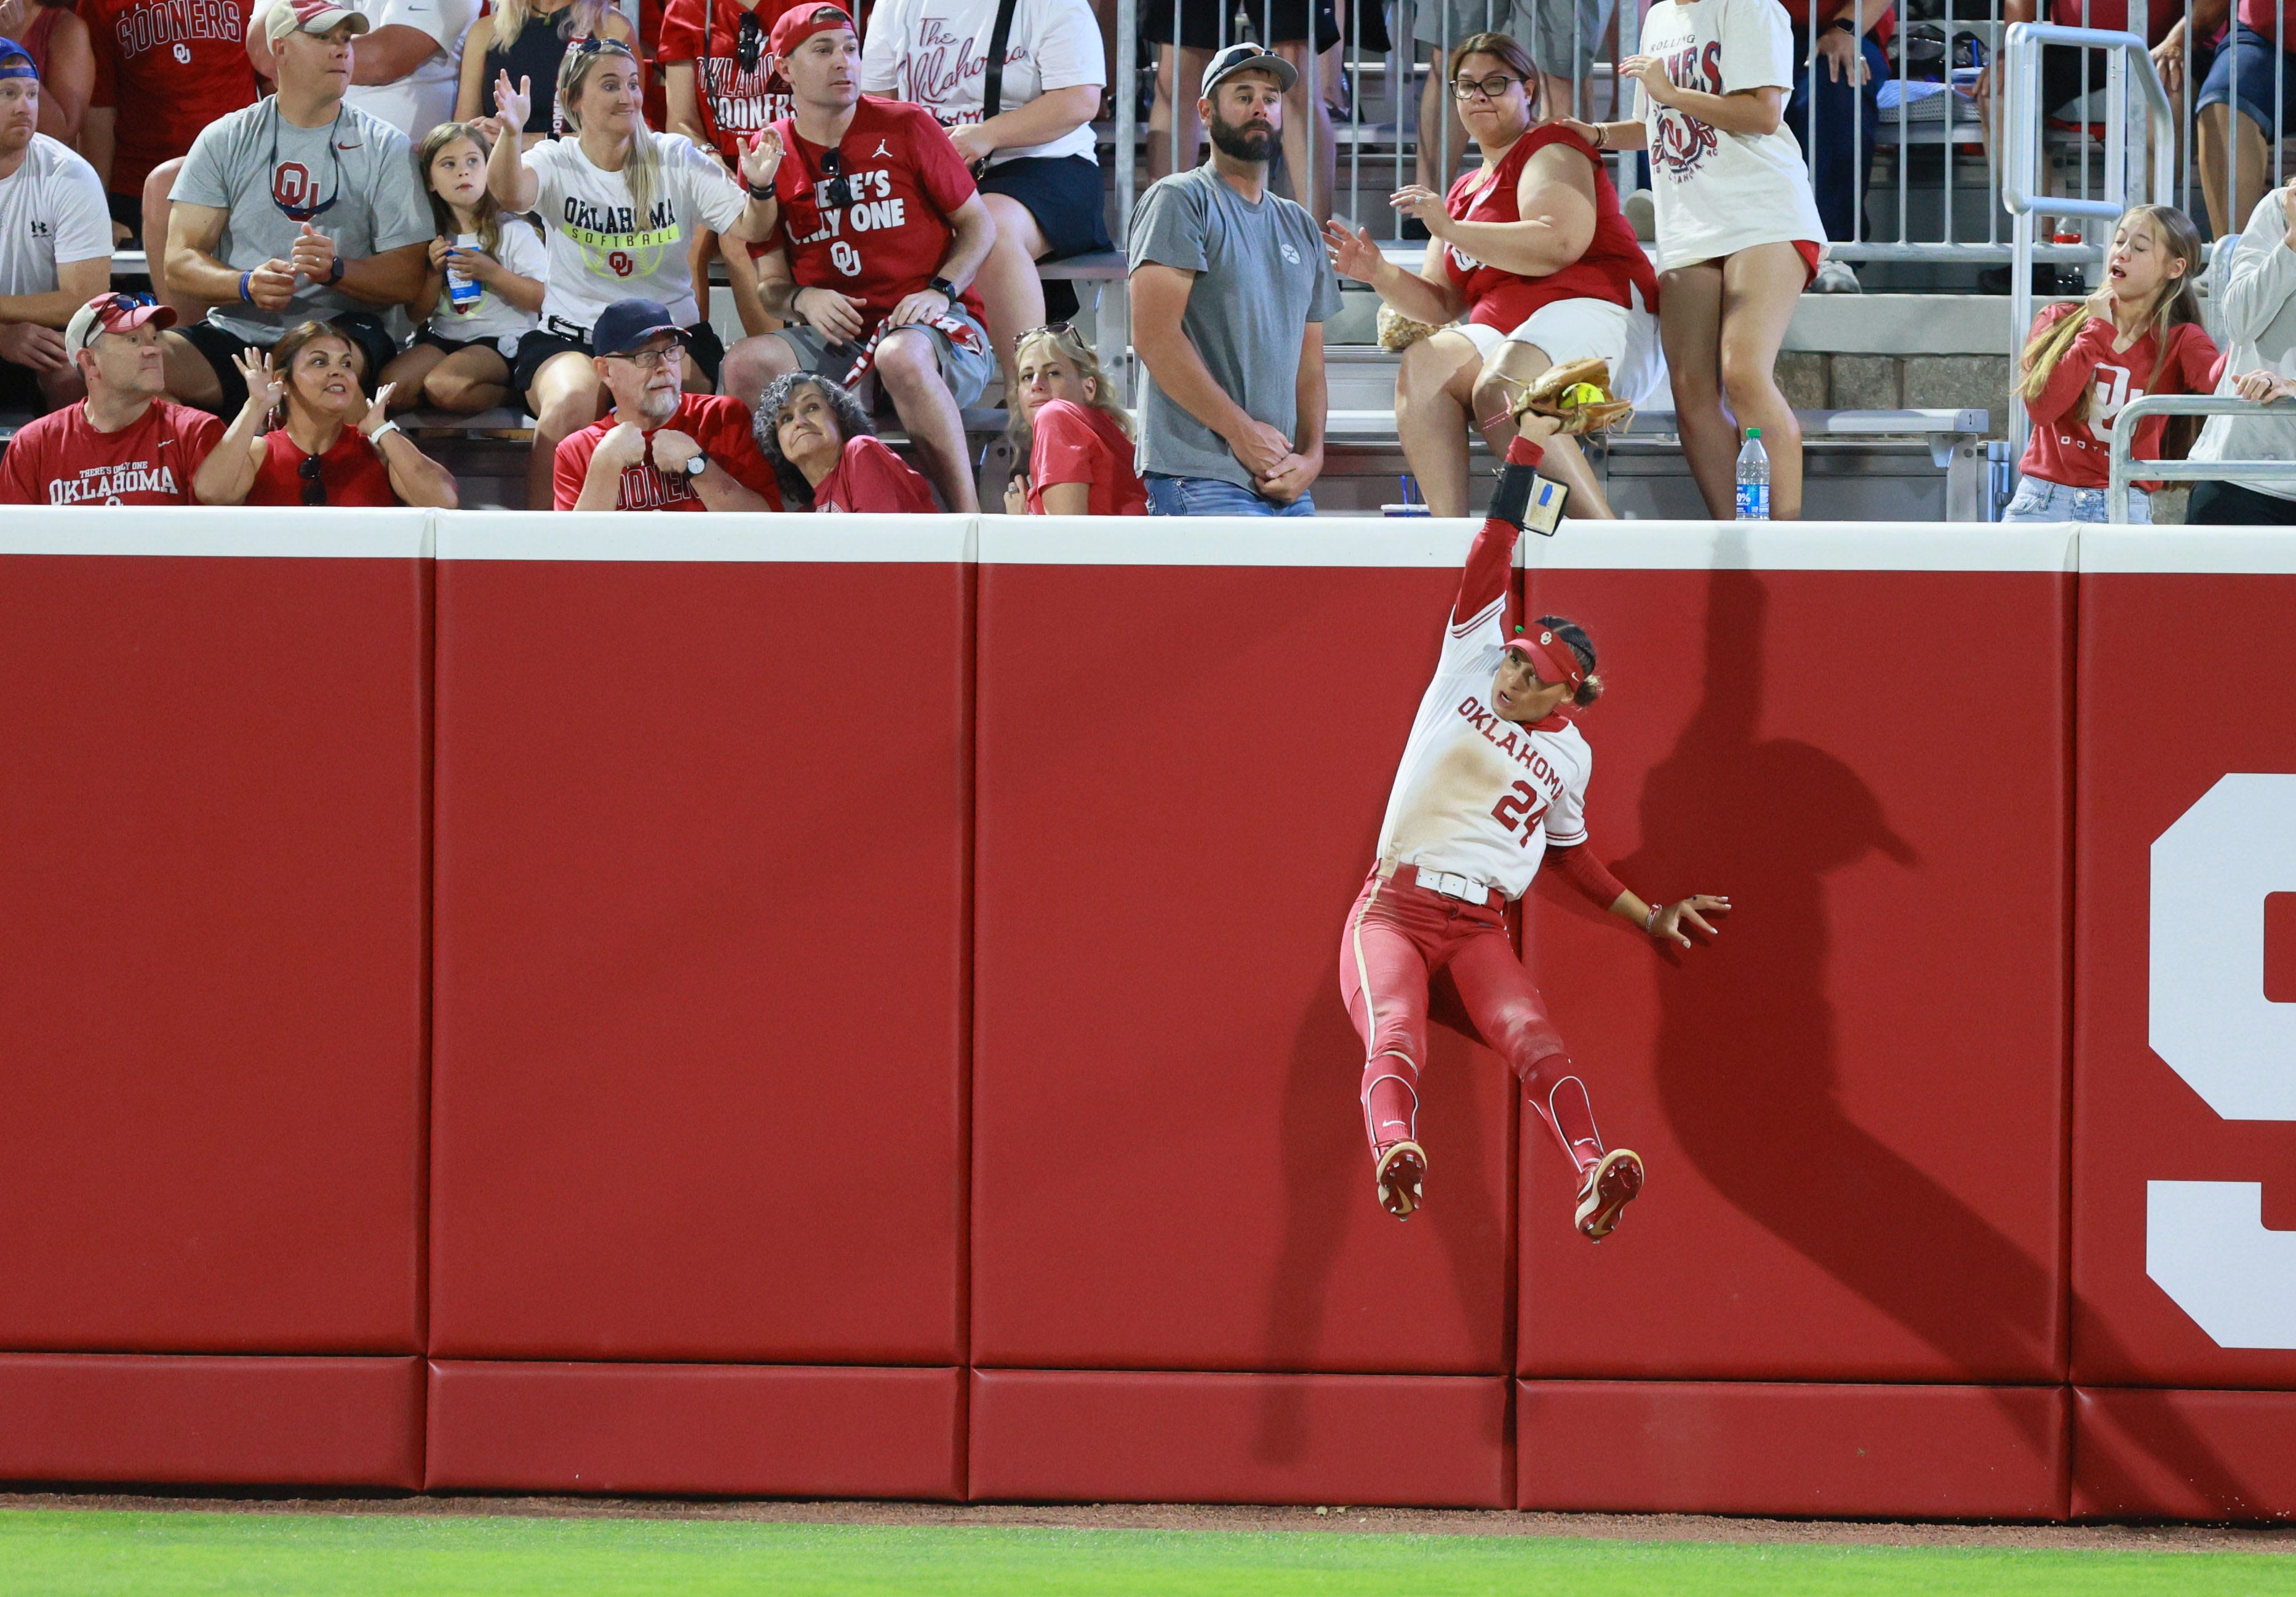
x=1609 y=1187
x=1402 y=1167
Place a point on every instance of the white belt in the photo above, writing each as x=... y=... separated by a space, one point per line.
x=1452 y=885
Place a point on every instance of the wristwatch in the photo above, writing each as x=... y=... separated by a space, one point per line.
x=1845 y=25
x=696 y=467
x=335 y=271
x=943 y=286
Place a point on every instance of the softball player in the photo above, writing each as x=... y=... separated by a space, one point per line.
x=1493 y=779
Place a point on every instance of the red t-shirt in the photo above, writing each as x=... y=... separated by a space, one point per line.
x=720 y=424
x=169 y=69
x=870 y=479
x=733 y=104
x=906 y=181
x=352 y=470
x=61 y=458
x=2079 y=455
x=1613 y=263
x=1076 y=443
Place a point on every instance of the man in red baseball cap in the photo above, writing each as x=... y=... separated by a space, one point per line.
x=123 y=444
x=879 y=232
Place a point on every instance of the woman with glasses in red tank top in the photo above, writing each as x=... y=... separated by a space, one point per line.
x=1532 y=250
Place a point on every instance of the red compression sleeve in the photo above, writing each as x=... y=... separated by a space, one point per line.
x=1583 y=871
x=1523 y=451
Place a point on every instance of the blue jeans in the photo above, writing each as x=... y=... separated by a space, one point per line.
x=2039 y=501
x=1212 y=496
x=1849 y=121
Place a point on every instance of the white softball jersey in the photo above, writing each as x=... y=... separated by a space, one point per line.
x=1476 y=795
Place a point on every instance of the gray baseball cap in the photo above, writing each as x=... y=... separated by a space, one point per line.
x=1249 y=58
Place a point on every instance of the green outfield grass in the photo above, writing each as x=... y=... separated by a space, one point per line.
x=96 y=1552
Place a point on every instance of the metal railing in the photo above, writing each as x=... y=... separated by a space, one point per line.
x=2124 y=432
x=2023 y=192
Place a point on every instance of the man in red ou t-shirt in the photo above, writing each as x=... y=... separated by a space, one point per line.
x=880 y=231
x=660 y=449
x=123 y=444
x=175 y=69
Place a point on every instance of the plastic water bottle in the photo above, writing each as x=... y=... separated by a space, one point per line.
x=464 y=292
x=1753 y=478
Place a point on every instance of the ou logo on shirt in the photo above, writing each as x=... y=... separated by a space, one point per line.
x=845 y=257
x=620 y=261
x=183 y=53
x=2111 y=396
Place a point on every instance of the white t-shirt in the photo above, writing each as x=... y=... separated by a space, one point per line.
x=522 y=250
x=425 y=97
x=600 y=253
x=934 y=52
x=1719 y=192
x=1477 y=795
x=52 y=208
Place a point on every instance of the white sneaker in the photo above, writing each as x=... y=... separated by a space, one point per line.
x=1835 y=277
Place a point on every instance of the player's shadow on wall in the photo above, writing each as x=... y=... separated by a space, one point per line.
x=1747 y=1049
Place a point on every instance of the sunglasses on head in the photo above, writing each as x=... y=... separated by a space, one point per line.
x=314 y=492
x=751 y=42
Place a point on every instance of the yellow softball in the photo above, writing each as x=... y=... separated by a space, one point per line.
x=1580 y=394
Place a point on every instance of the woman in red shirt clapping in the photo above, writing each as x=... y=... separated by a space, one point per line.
x=316 y=454
x=2089 y=361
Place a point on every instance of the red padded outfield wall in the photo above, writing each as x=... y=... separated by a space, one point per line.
x=213 y=800
x=2184 y=1234
x=884 y=1034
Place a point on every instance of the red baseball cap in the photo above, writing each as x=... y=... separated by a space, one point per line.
x=802 y=23
x=1553 y=659
x=111 y=313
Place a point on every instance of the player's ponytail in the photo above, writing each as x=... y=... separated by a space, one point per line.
x=1583 y=646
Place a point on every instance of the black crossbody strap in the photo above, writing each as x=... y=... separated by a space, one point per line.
x=992 y=82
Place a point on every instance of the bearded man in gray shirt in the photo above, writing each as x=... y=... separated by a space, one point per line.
x=1230 y=291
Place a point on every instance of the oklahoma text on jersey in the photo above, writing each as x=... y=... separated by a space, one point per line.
x=108 y=483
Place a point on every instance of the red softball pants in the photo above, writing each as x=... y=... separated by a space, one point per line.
x=1403 y=939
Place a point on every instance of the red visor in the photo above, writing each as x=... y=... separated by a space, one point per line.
x=800 y=23
x=1553 y=659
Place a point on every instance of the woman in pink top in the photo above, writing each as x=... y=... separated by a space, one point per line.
x=1077 y=439
x=817 y=437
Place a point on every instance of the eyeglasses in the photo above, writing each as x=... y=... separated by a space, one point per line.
x=1051 y=330
x=838 y=190
x=314 y=492
x=591 y=44
x=655 y=360
x=751 y=42
x=1489 y=88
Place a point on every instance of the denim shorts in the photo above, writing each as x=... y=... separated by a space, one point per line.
x=1213 y=496
x=2266 y=76
x=2039 y=501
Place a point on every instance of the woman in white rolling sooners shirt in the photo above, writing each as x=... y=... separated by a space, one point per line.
x=1738 y=233
x=1042 y=179
x=619 y=206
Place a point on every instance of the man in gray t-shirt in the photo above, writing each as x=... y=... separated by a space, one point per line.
x=1230 y=291
x=296 y=208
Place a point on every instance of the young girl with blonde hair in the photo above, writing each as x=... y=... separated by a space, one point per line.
x=2087 y=360
x=461 y=358
x=1077 y=440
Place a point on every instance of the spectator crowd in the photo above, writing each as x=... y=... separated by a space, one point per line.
x=351 y=208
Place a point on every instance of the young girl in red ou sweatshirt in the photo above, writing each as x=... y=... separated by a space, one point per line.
x=2139 y=335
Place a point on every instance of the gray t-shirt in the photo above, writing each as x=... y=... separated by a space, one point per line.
x=364 y=166
x=1261 y=278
